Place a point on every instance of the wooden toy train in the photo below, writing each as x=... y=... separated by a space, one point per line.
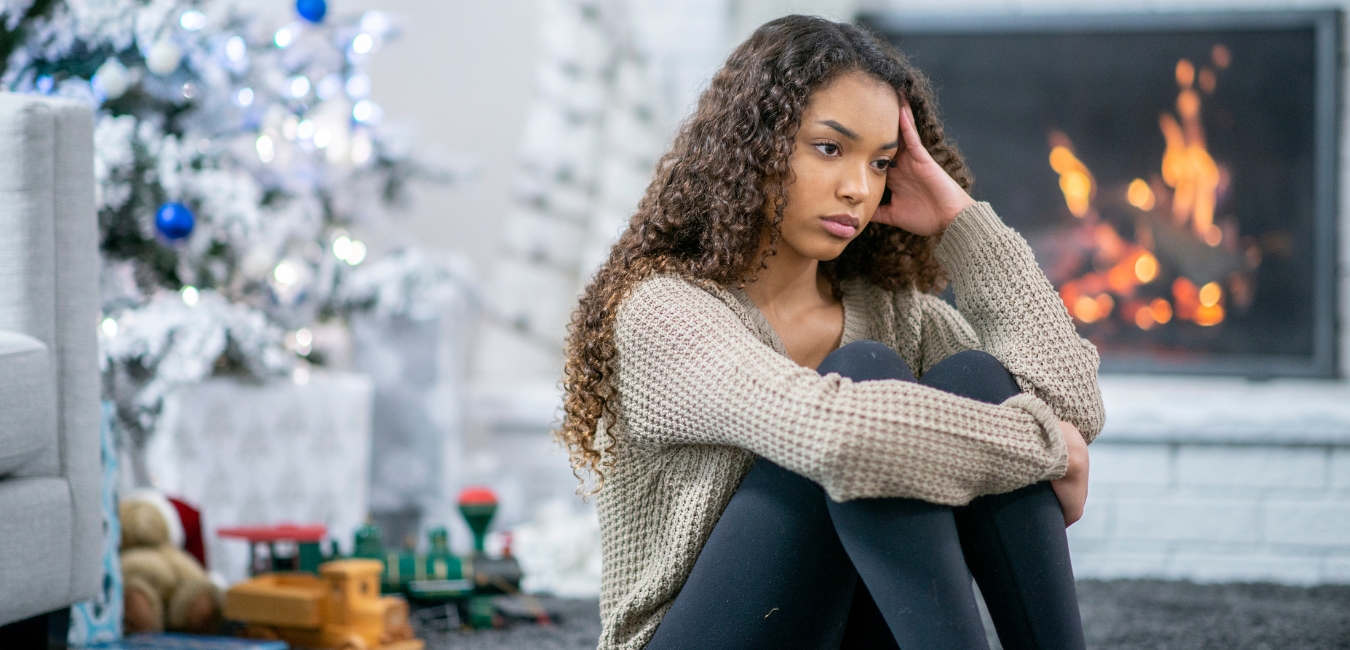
x=434 y=576
x=340 y=608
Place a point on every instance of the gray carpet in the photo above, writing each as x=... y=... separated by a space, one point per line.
x=1117 y=615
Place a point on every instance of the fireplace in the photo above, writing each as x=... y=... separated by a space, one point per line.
x=1175 y=174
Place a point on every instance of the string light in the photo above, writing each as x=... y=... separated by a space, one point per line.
x=192 y=20
x=266 y=149
x=236 y=49
x=363 y=43
x=284 y=37
x=299 y=86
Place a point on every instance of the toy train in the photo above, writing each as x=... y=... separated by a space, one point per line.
x=339 y=608
x=434 y=576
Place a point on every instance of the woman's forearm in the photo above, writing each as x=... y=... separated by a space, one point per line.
x=1017 y=316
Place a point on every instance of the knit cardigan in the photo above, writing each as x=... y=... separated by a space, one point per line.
x=705 y=386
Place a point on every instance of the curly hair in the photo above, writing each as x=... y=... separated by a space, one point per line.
x=704 y=215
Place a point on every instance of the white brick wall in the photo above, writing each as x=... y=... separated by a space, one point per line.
x=1214 y=512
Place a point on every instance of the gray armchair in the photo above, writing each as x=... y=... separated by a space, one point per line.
x=50 y=523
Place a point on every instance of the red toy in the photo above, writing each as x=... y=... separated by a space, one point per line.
x=289 y=547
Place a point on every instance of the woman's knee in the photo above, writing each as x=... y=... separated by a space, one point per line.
x=866 y=361
x=975 y=374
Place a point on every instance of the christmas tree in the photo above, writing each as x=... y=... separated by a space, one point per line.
x=232 y=154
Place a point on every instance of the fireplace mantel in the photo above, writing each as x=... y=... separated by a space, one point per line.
x=1219 y=410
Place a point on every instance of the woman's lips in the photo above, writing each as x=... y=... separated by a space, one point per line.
x=840 y=225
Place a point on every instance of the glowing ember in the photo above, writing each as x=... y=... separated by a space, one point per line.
x=1185 y=72
x=1210 y=294
x=1086 y=309
x=1208 y=81
x=1144 y=319
x=1146 y=268
x=1074 y=179
x=1209 y=315
x=1187 y=297
x=1139 y=195
x=1162 y=310
x=1222 y=57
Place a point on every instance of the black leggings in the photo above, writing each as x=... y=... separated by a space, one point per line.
x=781 y=567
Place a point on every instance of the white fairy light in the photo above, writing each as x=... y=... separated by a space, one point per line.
x=286 y=274
x=322 y=137
x=164 y=57
x=342 y=247
x=298 y=86
x=190 y=295
x=305 y=129
x=266 y=150
x=367 y=111
x=363 y=43
x=303 y=337
x=357 y=254
x=112 y=78
x=244 y=97
x=192 y=20
x=284 y=37
x=236 y=49
x=300 y=375
x=109 y=327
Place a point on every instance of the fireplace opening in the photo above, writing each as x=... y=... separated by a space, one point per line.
x=1175 y=174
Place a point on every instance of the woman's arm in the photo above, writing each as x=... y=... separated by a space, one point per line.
x=689 y=372
x=1012 y=311
x=1014 y=314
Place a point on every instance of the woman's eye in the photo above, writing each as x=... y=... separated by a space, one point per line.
x=827 y=148
x=883 y=164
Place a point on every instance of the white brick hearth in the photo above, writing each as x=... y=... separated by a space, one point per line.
x=1219 y=480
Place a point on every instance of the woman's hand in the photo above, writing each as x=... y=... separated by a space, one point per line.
x=924 y=198
x=1072 y=488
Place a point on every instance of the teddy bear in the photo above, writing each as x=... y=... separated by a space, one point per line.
x=164 y=587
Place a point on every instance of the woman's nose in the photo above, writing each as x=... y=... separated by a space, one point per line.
x=853 y=184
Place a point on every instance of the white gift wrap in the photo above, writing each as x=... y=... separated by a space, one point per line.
x=251 y=453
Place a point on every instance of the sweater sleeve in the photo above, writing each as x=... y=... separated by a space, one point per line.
x=690 y=372
x=1008 y=309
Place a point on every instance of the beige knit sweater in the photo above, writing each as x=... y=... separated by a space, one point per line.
x=705 y=386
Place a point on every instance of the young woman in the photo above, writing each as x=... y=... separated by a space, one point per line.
x=740 y=377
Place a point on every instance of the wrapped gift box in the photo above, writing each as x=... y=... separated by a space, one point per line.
x=279 y=451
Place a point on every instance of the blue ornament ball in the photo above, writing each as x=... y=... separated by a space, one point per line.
x=311 y=10
x=174 y=220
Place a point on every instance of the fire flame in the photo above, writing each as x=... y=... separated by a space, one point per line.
x=1187 y=166
x=1074 y=180
x=1195 y=179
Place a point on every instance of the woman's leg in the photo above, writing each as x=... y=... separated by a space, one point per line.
x=906 y=551
x=771 y=575
x=1014 y=543
x=774 y=574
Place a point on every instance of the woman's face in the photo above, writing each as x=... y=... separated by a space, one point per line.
x=849 y=134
